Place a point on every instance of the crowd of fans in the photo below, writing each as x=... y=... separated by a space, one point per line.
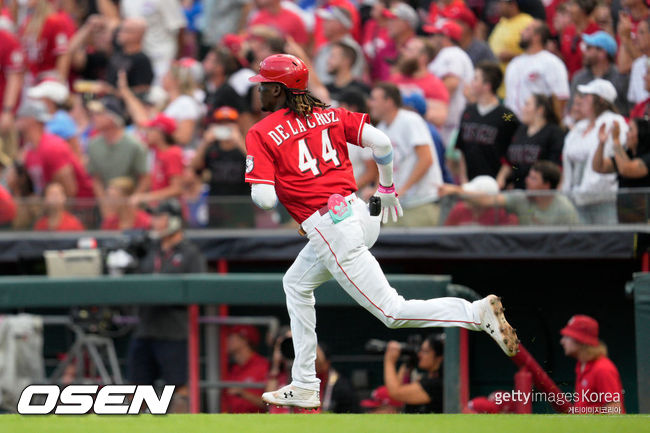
x=116 y=105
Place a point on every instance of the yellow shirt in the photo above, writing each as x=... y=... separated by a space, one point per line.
x=505 y=38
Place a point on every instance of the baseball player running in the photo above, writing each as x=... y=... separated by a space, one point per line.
x=298 y=155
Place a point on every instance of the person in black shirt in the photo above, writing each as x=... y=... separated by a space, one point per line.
x=158 y=349
x=339 y=64
x=631 y=163
x=486 y=128
x=130 y=58
x=425 y=395
x=539 y=137
x=219 y=64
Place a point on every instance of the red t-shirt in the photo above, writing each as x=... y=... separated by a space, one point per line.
x=306 y=159
x=167 y=164
x=52 y=42
x=7 y=206
x=255 y=370
x=597 y=385
x=436 y=10
x=431 y=86
x=378 y=48
x=641 y=109
x=12 y=59
x=286 y=21
x=68 y=223
x=51 y=155
x=461 y=215
x=142 y=221
x=570 y=46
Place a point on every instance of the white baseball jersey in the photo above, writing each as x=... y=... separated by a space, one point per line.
x=543 y=73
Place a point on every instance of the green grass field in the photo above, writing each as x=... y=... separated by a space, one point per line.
x=327 y=424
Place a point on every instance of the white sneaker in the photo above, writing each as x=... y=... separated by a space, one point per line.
x=293 y=396
x=494 y=323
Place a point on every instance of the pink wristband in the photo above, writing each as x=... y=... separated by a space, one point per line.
x=386 y=189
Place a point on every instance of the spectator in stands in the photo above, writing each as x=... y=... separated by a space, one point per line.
x=120 y=213
x=413 y=77
x=468 y=213
x=381 y=402
x=417 y=170
x=595 y=372
x=21 y=187
x=633 y=13
x=424 y=395
x=401 y=22
x=602 y=15
x=541 y=206
x=221 y=18
x=56 y=97
x=638 y=91
x=158 y=349
x=112 y=152
x=337 y=26
x=219 y=65
x=48 y=158
x=598 y=60
x=477 y=49
x=454 y=67
x=130 y=58
x=12 y=67
x=486 y=128
x=506 y=35
x=581 y=24
x=247 y=366
x=630 y=164
x=91 y=48
x=642 y=109
x=45 y=35
x=272 y=13
x=340 y=61
x=166 y=175
x=165 y=23
x=377 y=44
x=593 y=193
x=536 y=71
x=55 y=217
x=195 y=193
x=539 y=137
x=336 y=392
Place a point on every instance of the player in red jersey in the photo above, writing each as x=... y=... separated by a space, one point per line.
x=298 y=155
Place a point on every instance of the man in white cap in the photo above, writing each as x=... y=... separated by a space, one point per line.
x=402 y=22
x=337 y=26
x=55 y=96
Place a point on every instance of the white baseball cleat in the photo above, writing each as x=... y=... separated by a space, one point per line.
x=494 y=323
x=293 y=396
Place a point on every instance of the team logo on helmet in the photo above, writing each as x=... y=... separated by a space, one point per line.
x=250 y=164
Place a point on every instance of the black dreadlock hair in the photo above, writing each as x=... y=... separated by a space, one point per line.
x=303 y=103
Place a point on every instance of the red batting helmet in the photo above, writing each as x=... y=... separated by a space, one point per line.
x=285 y=69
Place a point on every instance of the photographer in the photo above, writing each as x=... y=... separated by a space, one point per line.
x=159 y=346
x=424 y=395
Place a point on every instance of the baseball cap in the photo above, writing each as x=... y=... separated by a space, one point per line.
x=599 y=87
x=247 y=332
x=50 y=89
x=164 y=123
x=34 y=108
x=601 y=39
x=337 y=14
x=460 y=13
x=583 y=329
x=225 y=114
x=415 y=101
x=403 y=12
x=108 y=104
x=380 y=397
x=449 y=28
x=195 y=67
x=482 y=184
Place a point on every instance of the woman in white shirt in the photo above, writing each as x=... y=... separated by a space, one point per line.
x=594 y=194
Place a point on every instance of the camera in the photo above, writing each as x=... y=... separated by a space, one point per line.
x=410 y=349
x=222 y=132
x=122 y=256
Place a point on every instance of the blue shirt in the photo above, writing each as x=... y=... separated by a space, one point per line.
x=62 y=125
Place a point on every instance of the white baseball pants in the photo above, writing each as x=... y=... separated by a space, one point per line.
x=341 y=251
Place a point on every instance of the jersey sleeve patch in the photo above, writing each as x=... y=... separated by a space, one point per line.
x=250 y=163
